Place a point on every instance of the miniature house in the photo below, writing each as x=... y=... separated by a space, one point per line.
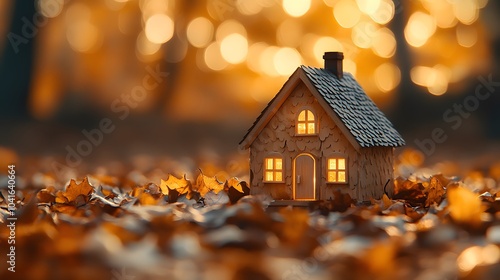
x=321 y=133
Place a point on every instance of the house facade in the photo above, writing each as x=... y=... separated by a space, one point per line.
x=319 y=134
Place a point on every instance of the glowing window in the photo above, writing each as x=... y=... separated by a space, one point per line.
x=336 y=170
x=306 y=123
x=273 y=169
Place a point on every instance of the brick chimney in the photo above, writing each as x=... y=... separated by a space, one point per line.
x=333 y=63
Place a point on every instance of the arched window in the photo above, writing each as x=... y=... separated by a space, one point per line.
x=306 y=122
x=273 y=169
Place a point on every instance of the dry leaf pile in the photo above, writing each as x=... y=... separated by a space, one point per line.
x=105 y=227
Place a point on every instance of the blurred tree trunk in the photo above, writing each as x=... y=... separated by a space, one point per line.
x=16 y=61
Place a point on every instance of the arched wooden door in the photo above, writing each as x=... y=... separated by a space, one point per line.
x=304 y=177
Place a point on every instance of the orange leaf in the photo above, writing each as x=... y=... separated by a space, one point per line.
x=73 y=190
x=206 y=184
x=435 y=192
x=46 y=195
x=181 y=185
x=235 y=183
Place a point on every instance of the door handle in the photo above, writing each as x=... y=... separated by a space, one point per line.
x=298 y=179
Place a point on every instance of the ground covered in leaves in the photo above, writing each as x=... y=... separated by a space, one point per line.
x=204 y=225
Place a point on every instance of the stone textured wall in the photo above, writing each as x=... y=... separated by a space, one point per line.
x=278 y=137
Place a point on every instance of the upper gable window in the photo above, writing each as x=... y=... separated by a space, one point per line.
x=306 y=122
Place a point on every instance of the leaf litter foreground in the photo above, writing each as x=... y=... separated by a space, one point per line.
x=105 y=227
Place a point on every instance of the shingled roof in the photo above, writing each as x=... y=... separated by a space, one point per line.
x=345 y=97
x=357 y=111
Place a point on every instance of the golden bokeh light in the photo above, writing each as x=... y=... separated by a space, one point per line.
x=325 y=44
x=466 y=35
x=159 y=28
x=419 y=75
x=346 y=13
x=289 y=33
x=266 y=61
x=387 y=77
x=254 y=53
x=362 y=34
x=384 y=12
x=368 y=7
x=50 y=8
x=296 y=8
x=440 y=10
x=213 y=57
x=264 y=41
x=476 y=255
x=146 y=47
x=286 y=60
x=200 y=32
x=248 y=8
x=152 y=7
x=419 y=29
x=465 y=11
x=234 y=48
x=439 y=79
x=384 y=43
x=115 y=5
x=435 y=78
x=229 y=27
x=82 y=35
x=307 y=45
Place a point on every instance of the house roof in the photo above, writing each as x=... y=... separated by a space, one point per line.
x=345 y=97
